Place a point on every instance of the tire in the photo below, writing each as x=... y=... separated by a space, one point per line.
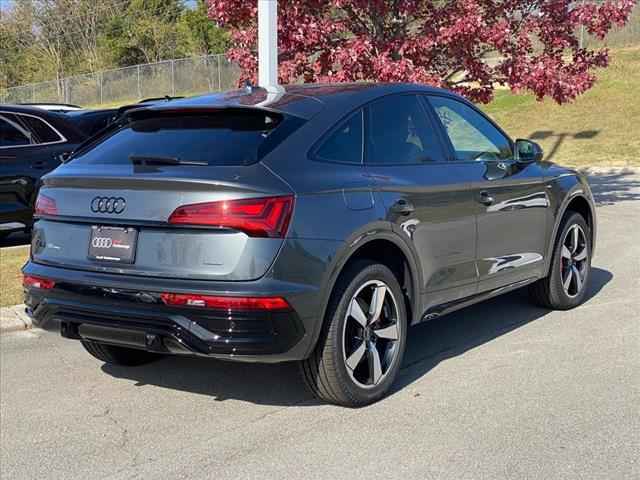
x=550 y=292
x=351 y=333
x=112 y=354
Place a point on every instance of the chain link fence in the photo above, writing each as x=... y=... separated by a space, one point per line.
x=181 y=77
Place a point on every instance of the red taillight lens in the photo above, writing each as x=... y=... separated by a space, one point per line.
x=45 y=205
x=257 y=217
x=38 y=282
x=225 y=303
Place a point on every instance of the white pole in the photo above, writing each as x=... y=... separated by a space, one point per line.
x=268 y=43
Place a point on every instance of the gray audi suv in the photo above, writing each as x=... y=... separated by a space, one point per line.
x=311 y=223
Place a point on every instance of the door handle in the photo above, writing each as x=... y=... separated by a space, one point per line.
x=485 y=198
x=403 y=207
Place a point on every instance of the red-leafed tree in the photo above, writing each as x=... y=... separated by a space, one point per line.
x=469 y=46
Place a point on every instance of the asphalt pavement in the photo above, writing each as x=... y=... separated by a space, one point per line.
x=498 y=390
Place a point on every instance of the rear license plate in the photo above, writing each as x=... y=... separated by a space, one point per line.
x=113 y=244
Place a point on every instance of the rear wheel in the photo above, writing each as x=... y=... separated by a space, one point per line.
x=566 y=285
x=360 y=350
x=119 y=355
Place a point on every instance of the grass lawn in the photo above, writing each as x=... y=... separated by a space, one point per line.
x=11 y=261
x=601 y=127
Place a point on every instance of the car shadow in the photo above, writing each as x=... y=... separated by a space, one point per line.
x=280 y=384
x=455 y=334
x=614 y=186
x=558 y=138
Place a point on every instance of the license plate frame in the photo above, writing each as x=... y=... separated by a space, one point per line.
x=108 y=244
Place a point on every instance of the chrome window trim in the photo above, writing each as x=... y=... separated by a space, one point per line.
x=62 y=137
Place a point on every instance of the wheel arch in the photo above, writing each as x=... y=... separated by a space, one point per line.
x=575 y=201
x=387 y=248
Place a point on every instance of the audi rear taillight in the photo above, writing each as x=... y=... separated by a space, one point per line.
x=225 y=303
x=45 y=205
x=257 y=217
x=37 y=282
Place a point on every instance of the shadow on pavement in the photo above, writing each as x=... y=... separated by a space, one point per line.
x=615 y=187
x=280 y=384
x=452 y=335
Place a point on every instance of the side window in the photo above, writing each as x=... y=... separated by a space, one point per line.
x=399 y=132
x=42 y=131
x=473 y=137
x=12 y=134
x=345 y=144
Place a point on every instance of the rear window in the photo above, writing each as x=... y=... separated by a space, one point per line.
x=213 y=138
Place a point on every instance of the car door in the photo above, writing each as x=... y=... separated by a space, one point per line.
x=15 y=183
x=426 y=198
x=510 y=197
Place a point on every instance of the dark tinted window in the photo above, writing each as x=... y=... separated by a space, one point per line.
x=215 y=138
x=12 y=133
x=90 y=123
x=344 y=144
x=399 y=132
x=473 y=137
x=42 y=132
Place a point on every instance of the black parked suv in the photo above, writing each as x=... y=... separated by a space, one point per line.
x=33 y=141
x=313 y=224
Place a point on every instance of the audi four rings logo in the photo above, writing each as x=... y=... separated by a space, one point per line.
x=101 y=242
x=108 y=205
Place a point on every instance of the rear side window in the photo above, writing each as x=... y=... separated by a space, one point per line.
x=225 y=137
x=12 y=134
x=399 y=132
x=42 y=132
x=344 y=145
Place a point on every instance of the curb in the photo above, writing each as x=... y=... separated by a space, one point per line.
x=14 y=319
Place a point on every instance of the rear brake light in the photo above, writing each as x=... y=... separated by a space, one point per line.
x=45 y=205
x=37 y=282
x=225 y=303
x=257 y=217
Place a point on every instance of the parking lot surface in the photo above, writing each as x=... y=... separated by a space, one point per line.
x=498 y=390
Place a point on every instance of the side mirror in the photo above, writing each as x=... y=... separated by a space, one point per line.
x=528 y=151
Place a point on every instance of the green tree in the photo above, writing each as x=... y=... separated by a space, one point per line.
x=51 y=39
x=198 y=35
x=145 y=33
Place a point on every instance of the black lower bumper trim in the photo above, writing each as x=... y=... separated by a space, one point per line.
x=166 y=329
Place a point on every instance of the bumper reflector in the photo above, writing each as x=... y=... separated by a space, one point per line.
x=225 y=303
x=37 y=282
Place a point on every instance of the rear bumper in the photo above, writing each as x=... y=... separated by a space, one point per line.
x=122 y=310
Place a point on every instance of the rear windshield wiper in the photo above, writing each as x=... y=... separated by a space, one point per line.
x=152 y=160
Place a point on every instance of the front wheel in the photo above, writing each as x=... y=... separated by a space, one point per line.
x=360 y=350
x=566 y=285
